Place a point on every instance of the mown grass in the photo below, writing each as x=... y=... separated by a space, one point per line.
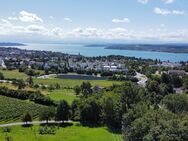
x=74 y=82
x=62 y=94
x=70 y=133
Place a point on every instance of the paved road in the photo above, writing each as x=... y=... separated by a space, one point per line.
x=34 y=122
x=142 y=79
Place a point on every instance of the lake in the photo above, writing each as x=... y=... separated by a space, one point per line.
x=100 y=51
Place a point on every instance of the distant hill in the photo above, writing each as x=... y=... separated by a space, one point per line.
x=11 y=44
x=171 y=48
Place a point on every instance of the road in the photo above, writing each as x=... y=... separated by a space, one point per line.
x=142 y=79
x=31 y=123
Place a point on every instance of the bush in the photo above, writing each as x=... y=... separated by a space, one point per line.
x=47 y=130
x=6 y=129
x=176 y=103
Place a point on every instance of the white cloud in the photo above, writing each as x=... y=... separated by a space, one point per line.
x=57 y=31
x=118 y=30
x=36 y=28
x=12 y=18
x=163 y=12
x=67 y=19
x=168 y=1
x=45 y=32
x=162 y=25
x=177 y=12
x=125 y=20
x=143 y=1
x=6 y=21
x=51 y=17
x=165 y=1
x=166 y=12
x=29 y=17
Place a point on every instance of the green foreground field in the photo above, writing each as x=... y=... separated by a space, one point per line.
x=70 y=133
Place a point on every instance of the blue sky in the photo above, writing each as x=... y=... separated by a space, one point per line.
x=94 y=20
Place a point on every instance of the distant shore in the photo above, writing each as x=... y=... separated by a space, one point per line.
x=169 y=48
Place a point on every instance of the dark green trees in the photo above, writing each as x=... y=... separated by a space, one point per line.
x=86 y=89
x=176 y=103
x=62 y=113
x=77 y=90
x=1 y=76
x=90 y=111
x=47 y=114
x=27 y=118
x=112 y=112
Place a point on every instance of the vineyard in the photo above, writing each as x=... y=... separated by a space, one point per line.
x=12 y=109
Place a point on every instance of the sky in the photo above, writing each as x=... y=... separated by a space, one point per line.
x=94 y=20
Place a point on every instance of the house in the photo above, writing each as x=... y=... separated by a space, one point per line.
x=2 y=63
x=177 y=72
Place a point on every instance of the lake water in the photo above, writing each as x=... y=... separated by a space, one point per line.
x=100 y=51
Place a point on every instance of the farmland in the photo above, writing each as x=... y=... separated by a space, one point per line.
x=12 y=109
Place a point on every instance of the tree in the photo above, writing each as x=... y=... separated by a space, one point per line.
x=128 y=96
x=165 y=89
x=47 y=114
x=176 y=103
x=27 y=118
x=21 y=84
x=75 y=110
x=165 y=78
x=77 y=90
x=90 y=111
x=112 y=112
x=1 y=76
x=176 y=81
x=86 y=89
x=153 y=86
x=62 y=113
x=30 y=80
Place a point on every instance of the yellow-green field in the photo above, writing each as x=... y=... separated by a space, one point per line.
x=62 y=94
x=10 y=74
x=70 y=133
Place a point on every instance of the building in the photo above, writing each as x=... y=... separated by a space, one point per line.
x=2 y=63
x=177 y=72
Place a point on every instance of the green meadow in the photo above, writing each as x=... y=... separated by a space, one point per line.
x=69 y=133
x=13 y=74
x=74 y=82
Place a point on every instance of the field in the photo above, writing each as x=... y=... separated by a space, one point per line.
x=70 y=133
x=74 y=82
x=9 y=74
x=62 y=94
x=12 y=109
x=68 y=94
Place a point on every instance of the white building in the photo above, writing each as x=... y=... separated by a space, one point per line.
x=2 y=63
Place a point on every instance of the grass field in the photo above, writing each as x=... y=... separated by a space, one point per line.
x=68 y=94
x=12 y=109
x=62 y=94
x=74 y=82
x=70 y=133
x=13 y=74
